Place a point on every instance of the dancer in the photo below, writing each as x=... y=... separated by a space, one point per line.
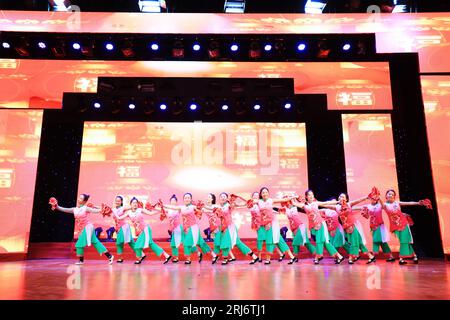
x=298 y=229
x=175 y=227
x=123 y=229
x=270 y=224
x=143 y=232
x=337 y=234
x=380 y=234
x=229 y=234
x=84 y=226
x=352 y=227
x=400 y=222
x=191 y=237
x=317 y=226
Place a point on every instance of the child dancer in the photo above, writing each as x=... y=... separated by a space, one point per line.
x=175 y=227
x=143 y=232
x=84 y=226
x=191 y=236
x=271 y=226
x=318 y=226
x=400 y=222
x=380 y=234
x=352 y=227
x=298 y=230
x=123 y=229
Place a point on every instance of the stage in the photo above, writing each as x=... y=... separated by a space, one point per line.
x=60 y=279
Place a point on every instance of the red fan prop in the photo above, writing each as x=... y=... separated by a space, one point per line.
x=106 y=210
x=140 y=204
x=149 y=206
x=250 y=203
x=374 y=193
x=365 y=212
x=53 y=202
x=426 y=203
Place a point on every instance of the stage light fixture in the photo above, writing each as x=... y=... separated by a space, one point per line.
x=42 y=45
x=127 y=49
x=76 y=46
x=59 y=5
x=234 y=47
x=346 y=47
x=255 y=50
x=163 y=106
x=132 y=106
x=267 y=47
x=234 y=6
x=301 y=46
x=323 y=50
x=315 y=6
x=225 y=107
x=153 y=6
x=6 y=45
x=214 y=50
x=97 y=105
x=257 y=106
x=193 y=106
x=196 y=47
x=154 y=46
x=87 y=49
x=109 y=46
x=287 y=105
x=59 y=50
x=178 y=49
x=23 y=48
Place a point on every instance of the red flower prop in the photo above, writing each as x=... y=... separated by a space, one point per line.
x=198 y=209
x=106 y=210
x=365 y=212
x=53 y=202
x=163 y=212
x=282 y=210
x=301 y=199
x=140 y=205
x=163 y=215
x=374 y=193
x=250 y=203
x=426 y=203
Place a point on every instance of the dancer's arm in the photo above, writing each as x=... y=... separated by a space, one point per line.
x=123 y=216
x=149 y=212
x=66 y=210
x=409 y=203
x=169 y=206
x=93 y=210
x=354 y=202
x=326 y=203
x=283 y=200
x=300 y=205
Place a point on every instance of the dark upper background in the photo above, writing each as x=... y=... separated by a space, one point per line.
x=217 y=6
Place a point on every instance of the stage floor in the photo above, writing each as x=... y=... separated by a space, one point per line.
x=61 y=279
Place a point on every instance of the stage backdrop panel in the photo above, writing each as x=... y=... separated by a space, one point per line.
x=156 y=160
x=436 y=96
x=369 y=160
x=20 y=133
x=348 y=85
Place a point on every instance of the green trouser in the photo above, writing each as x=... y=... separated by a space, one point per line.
x=141 y=244
x=82 y=243
x=188 y=243
x=217 y=240
x=321 y=241
x=282 y=245
x=356 y=242
x=297 y=242
x=120 y=242
x=405 y=238
x=384 y=247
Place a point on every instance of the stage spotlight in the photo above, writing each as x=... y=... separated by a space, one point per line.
x=301 y=47
x=97 y=105
x=154 y=46
x=132 y=106
x=267 y=47
x=234 y=6
x=255 y=50
x=163 y=106
x=193 y=106
x=196 y=47
x=287 y=105
x=109 y=46
x=87 y=49
x=257 y=106
x=346 y=47
x=6 y=45
x=225 y=107
x=214 y=50
x=76 y=46
x=315 y=6
x=234 y=47
x=178 y=49
x=42 y=45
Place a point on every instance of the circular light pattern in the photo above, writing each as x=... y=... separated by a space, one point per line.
x=6 y=45
x=97 y=105
x=163 y=107
x=42 y=45
x=234 y=47
x=225 y=107
x=193 y=106
x=287 y=105
x=76 y=46
x=131 y=106
x=346 y=47
x=257 y=107
x=268 y=47
x=301 y=46
x=109 y=46
x=154 y=46
x=196 y=47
